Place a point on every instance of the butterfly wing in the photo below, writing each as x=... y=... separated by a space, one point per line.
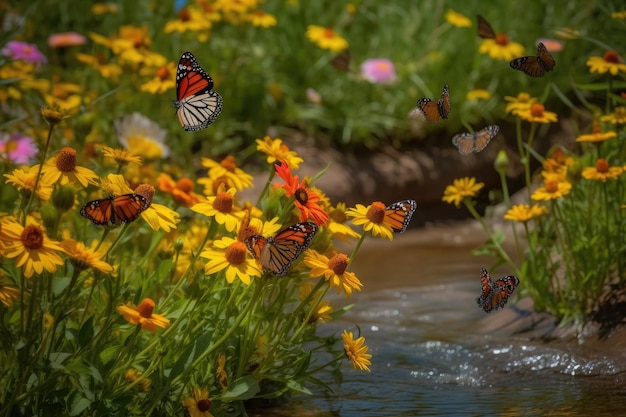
x=502 y=290
x=485 y=30
x=128 y=207
x=484 y=136
x=99 y=212
x=535 y=66
x=465 y=142
x=546 y=60
x=486 y=286
x=398 y=215
x=341 y=61
x=197 y=104
x=278 y=253
x=443 y=104
x=428 y=110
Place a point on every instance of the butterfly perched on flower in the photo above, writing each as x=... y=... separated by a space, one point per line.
x=276 y=254
x=495 y=294
x=197 y=105
x=485 y=30
x=431 y=110
x=113 y=211
x=475 y=142
x=535 y=66
x=398 y=215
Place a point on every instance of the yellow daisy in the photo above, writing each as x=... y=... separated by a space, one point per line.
x=326 y=38
x=198 y=405
x=231 y=255
x=277 y=151
x=83 y=257
x=610 y=62
x=62 y=169
x=536 y=114
x=143 y=315
x=222 y=208
x=524 y=212
x=501 y=48
x=372 y=218
x=333 y=270
x=457 y=19
x=356 y=351
x=602 y=171
x=461 y=189
x=552 y=189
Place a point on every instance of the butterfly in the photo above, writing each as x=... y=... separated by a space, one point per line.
x=277 y=253
x=431 y=110
x=494 y=294
x=341 y=61
x=197 y=105
x=475 y=142
x=535 y=66
x=398 y=215
x=485 y=30
x=113 y=211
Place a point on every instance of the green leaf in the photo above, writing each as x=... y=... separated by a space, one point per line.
x=200 y=345
x=242 y=389
x=296 y=386
x=85 y=333
x=76 y=403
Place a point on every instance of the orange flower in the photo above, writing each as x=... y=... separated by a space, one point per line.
x=143 y=315
x=305 y=198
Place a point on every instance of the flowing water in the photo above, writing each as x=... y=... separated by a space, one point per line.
x=437 y=354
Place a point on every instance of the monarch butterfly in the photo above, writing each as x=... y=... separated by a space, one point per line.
x=398 y=215
x=113 y=211
x=535 y=66
x=485 y=30
x=495 y=294
x=475 y=142
x=341 y=61
x=197 y=105
x=277 y=253
x=431 y=110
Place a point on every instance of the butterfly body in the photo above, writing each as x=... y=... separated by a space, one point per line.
x=431 y=110
x=113 y=211
x=535 y=66
x=197 y=105
x=398 y=215
x=277 y=253
x=485 y=30
x=468 y=143
x=495 y=294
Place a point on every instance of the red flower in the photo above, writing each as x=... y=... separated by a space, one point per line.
x=306 y=199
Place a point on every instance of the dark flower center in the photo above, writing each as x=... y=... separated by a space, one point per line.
x=32 y=237
x=302 y=196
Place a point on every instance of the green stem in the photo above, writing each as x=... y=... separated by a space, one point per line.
x=38 y=177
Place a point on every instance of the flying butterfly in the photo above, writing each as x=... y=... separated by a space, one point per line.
x=485 y=30
x=341 y=61
x=495 y=294
x=276 y=254
x=431 y=110
x=197 y=105
x=113 y=211
x=535 y=66
x=398 y=215
x=475 y=142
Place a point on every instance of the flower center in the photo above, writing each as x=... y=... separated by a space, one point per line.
x=338 y=263
x=32 y=237
x=59 y=92
x=66 y=160
x=217 y=182
x=602 y=165
x=611 y=56
x=145 y=308
x=338 y=215
x=502 y=39
x=536 y=110
x=329 y=33
x=383 y=66
x=184 y=15
x=185 y=185
x=10 y=146
x=28 y=50
x=301 y=195
x=376 y=212
x=223 y=202
x=204 y=405
x=259 y=13
x=552 y=186
x=229 y=163
x=163 y=73
x=236 y=253
x=145 y=190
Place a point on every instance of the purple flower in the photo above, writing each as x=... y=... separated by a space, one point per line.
x=17 y=148
x=378 y=70
x=26 y=52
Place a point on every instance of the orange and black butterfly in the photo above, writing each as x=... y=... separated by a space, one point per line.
x=485 y=30
x=113 y=211
x=535 y=66
x=494 y=294
x=276 y=254
x=398 y=215
x=431 y=110
x=475 y=142
x=341 y=61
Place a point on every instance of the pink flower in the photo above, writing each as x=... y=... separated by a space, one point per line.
x=553 y=45
x=26 y=52
x=65 y=39
x=17 y=148
x=378 y=70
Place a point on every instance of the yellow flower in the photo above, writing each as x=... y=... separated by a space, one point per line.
x=461 y=189
x=524 y=212
x=356 y=351
x=262 y=19
x=143 y=315
x=333 y=270
x=24 y=180
x=163 y=79
x=189 y=19
x=501 y=48
x=277 y=151
x=617 y=117
x=227 y=168
x=66 y=96
x=198 y=405
x=99 y=9
x=337 y=224
x=326 y=38
x=597 y=136
x=536 y=114
x=133 y=375
x=602 y=171
x=478 y=94
x=221 y=207
x=83 y=257
x=35 y=252
x=523 y=101
x=142 y=136
x=231 y=255
x=609 y=62
x=552 y=189
x=62 y=169
x=372 y=218
x=121 y=156
x=619 y=15
x=220 y=373
x=457 y=19
x=100 y=64
x=8 y=295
